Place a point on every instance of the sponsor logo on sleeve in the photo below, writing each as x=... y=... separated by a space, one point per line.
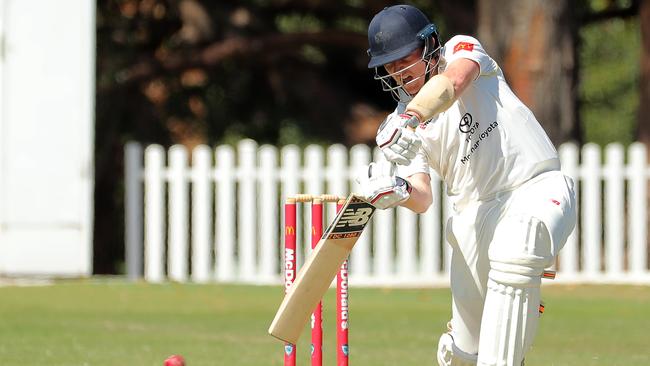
x=466 y=46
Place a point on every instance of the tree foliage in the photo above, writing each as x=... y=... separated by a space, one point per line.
x=202 y=72
x=609 y=80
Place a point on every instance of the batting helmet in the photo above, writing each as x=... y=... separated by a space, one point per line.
x=397 y=31
x=394 y=33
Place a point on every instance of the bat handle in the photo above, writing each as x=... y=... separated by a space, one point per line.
x=412 y=122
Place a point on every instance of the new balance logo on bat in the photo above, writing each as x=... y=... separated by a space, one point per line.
x=352 y=217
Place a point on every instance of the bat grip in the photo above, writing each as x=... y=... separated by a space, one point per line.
x=413 y=122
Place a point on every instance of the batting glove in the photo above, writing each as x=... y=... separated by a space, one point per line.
x=381 y=187
x=397 y=140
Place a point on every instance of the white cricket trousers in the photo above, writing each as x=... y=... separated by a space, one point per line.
x=549 y=197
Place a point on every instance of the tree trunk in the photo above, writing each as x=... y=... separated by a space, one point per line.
x=534 y=42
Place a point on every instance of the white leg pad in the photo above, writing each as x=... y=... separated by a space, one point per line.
x=450 y=355
x=519 y=252
x=508 y=332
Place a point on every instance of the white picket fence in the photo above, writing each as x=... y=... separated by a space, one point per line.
x=219 y=218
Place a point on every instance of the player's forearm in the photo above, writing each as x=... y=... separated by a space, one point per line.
x=462 y=73
x=421 y=195
x=435 y=97
x=439 y=93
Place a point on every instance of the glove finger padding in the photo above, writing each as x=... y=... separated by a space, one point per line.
x=403 y=152
x=396 y=157
x=389 y=131
x=409 y=140
x=373 y=172
x=408 y=144
x=381 y=169
x=398 y=143
x=381 y=187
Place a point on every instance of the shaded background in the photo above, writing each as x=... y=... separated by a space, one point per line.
x=294 y=72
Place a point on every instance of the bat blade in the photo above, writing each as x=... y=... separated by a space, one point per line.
x=316 y=275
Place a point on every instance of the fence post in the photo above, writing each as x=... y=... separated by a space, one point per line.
x=268 y=213
x=638 y=214
x=224 y=222
x=133 y=209
x=201 y=213
x=247 y=210
x=290 y=171
x=591 y=211
x=336 y=176
x=337 y=172
x=406 y=243
x=154 y=208
x=614 y=210
x=314 y=175
x=178 y=248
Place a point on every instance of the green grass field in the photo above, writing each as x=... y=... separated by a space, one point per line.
x=98 y=322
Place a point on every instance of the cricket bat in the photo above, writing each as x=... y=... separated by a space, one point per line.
x=316 y=275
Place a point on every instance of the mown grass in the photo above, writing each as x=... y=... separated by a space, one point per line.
x=119 y=323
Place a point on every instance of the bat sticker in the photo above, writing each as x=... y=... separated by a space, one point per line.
x=354 y=218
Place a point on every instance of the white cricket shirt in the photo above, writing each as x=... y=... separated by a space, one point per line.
x=488 y=141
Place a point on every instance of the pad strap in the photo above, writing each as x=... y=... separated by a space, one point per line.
x=450 y=355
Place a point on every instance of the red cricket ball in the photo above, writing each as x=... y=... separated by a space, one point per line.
x=175 y=360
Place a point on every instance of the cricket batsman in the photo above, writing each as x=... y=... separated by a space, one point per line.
x=513 y=208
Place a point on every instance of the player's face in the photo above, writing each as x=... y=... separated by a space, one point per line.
x=408 y=71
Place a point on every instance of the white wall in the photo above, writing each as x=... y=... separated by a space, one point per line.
x=46 y=136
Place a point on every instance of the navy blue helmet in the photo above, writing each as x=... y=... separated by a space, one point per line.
x=393 y=34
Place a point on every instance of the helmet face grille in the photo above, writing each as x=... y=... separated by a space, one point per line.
x=392 y=82
x=393 y=34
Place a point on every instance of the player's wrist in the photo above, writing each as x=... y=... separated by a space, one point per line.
x=401 y=182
